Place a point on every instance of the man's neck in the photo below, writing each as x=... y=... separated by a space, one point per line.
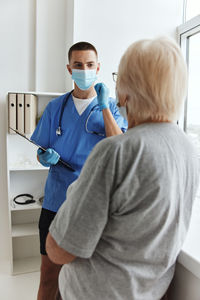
x=84 y=94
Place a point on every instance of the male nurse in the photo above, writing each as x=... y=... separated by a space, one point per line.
x=69 y=128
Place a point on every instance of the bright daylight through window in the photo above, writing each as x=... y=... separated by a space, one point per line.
x=189 y=38
x=192 y=9
x=192 y=113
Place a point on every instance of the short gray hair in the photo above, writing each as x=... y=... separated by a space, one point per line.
x=152 y=74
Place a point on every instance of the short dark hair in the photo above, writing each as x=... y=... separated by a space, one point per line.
x=81 y=46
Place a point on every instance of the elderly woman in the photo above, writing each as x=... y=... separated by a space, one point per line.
x=119 y=233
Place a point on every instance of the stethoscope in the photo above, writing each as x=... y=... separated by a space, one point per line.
x=59 y=129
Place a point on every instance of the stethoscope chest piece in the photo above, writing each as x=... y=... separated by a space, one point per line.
x=58 y=131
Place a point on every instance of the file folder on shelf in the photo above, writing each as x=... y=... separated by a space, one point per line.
x=12 y=113
x=30 y=113
x=20 y=113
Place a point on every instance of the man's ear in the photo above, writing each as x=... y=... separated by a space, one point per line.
x=69 y=69
x=98 y=67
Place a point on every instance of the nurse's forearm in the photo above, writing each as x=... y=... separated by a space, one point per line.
x=111 y=126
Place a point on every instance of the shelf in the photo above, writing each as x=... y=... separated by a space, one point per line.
x=15 y=207
x=31 y=168
x=47 y=94
x=24 y=229
x=26 y=265
x=25 y=176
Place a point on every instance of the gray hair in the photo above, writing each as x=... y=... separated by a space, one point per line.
x=152 y=75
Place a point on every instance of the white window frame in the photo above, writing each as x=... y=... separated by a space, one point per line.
x=190 y=253
x=185 y=31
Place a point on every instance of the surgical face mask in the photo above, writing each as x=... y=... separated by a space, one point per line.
x=123 y=112
x=84 y=79
x=122 y=109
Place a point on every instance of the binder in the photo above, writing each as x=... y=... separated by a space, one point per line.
x=20 y=113
x=12 y=113
x=30 y=113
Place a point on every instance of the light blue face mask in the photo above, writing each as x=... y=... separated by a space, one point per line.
x=84 y=79
x=122 y=109
x=123 y=112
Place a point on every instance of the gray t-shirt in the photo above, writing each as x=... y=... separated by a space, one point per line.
x=127 y=215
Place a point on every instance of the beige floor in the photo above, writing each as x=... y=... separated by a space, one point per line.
x=18 y=287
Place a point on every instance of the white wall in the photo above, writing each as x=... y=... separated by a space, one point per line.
x=35 y=35
x=50 y=45
x=112 y=25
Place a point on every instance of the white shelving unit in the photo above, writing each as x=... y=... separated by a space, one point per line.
x=25 y=175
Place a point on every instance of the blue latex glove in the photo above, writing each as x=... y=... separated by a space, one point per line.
x=102 y=95
x=48 y=157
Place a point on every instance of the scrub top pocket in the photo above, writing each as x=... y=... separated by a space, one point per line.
x=56 y=186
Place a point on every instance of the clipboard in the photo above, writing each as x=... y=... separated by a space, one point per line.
x=34 y=143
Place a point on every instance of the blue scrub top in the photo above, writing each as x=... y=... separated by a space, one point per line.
x=74 y=145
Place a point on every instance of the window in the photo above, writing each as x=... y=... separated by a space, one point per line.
x=189 y=38
x=189 y=34
x=192 y=118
